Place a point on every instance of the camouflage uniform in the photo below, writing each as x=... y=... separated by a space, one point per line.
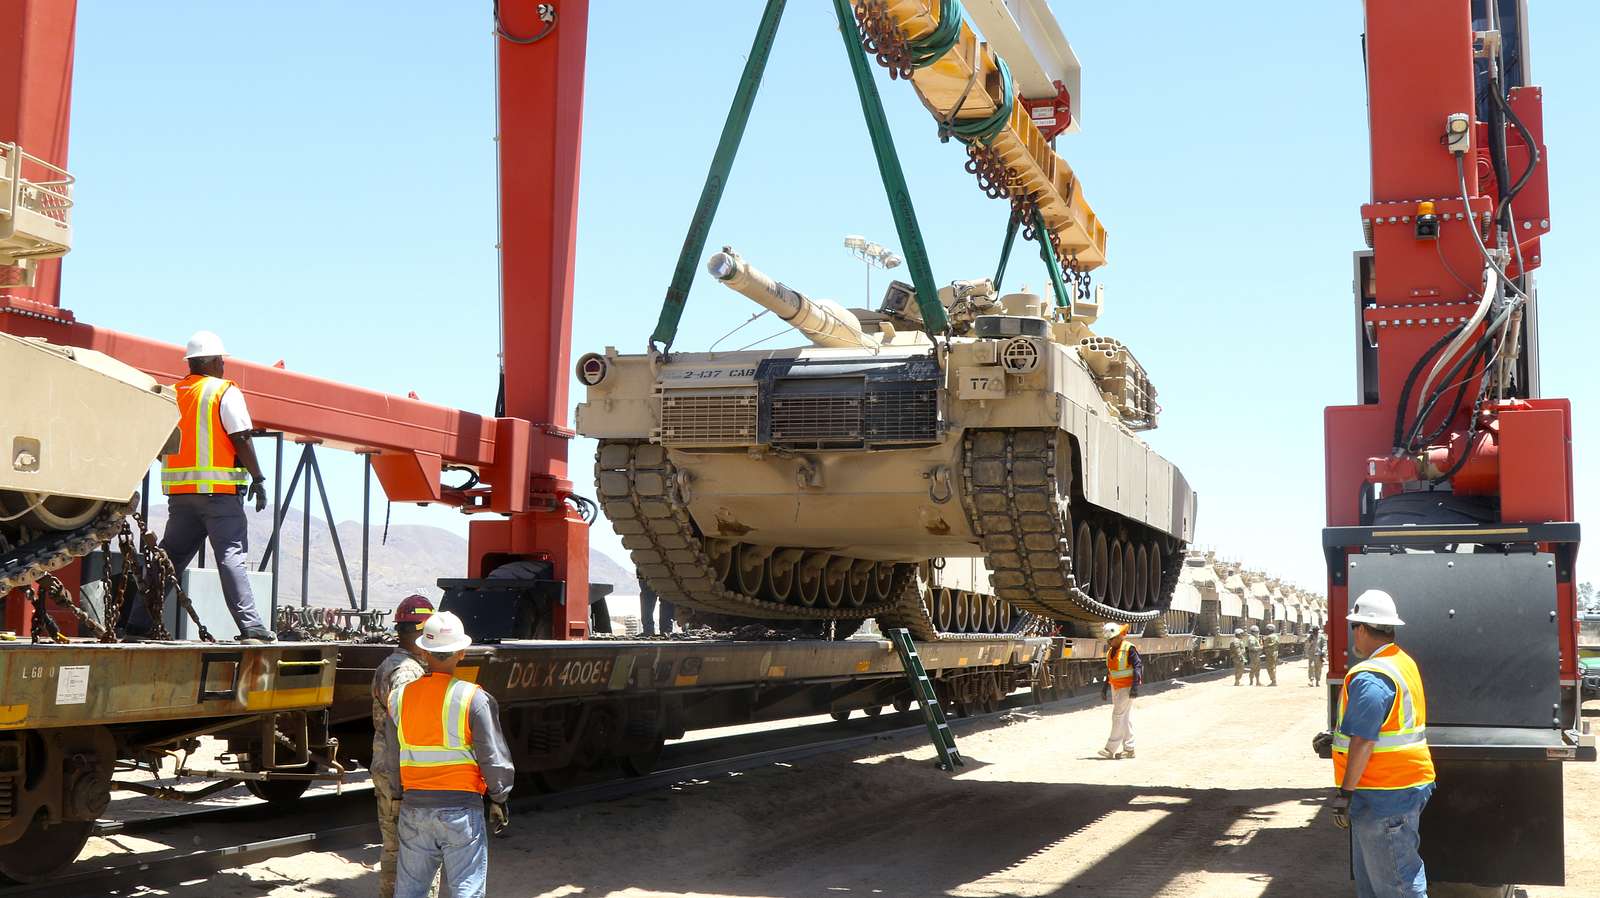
x=1236 y=651
x=1270 y=642
x=1253 y=649
x=397 y=670
x=1316 y=651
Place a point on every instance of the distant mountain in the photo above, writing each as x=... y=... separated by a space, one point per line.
x=411 y=561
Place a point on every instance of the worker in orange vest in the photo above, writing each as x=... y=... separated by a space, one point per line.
x=207 y=480
x=401 y=668
x=1381 y=761
x=1124 y=673
x=444 y=736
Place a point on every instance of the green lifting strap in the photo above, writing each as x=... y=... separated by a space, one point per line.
x=694 y=244
x=894 y=179
x=1005 y=250
x=1047 y=253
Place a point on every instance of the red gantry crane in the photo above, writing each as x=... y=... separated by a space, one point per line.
x=520 y=489
x=1449 y=483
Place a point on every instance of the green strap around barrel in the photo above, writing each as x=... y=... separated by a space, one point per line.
x=694 y=244
x=894 y=179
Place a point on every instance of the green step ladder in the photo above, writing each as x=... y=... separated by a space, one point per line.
x=944 y=742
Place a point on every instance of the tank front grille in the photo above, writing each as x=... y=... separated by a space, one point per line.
x=903 y=415
x=709 y=417
x=817 y=418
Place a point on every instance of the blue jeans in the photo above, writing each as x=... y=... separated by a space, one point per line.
x=454 y=837
x=1384 y=852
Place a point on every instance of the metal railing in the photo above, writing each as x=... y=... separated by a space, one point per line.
x=35 y=204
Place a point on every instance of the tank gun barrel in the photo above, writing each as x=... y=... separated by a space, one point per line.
x=824 y=322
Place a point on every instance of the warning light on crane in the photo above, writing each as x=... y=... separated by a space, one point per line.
x=1427 y=222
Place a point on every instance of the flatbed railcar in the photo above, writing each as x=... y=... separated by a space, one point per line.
x=73 y=715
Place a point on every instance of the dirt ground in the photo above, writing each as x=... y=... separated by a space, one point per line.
x=1223 y=801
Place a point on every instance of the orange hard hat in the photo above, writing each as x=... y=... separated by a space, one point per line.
x=413 y=609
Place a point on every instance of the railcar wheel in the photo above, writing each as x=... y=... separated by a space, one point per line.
x=641 y=763
x=872 y=710
x=840 y=716
x=44 y=849
x=278 y=792
x=1102 y=567
x=902 y=703
x=556 y=779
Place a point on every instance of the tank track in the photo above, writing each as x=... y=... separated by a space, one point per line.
x=26 y=563
x=639 y=491
x=1010 y=495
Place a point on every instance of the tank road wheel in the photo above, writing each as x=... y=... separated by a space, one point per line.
x=1133 y=580
x=943 y=609
x=1114 y=577
x=858 y=583
x=810 y=574
x=720 y=552
x=959 y=618
x=1002 y=618
x=1153 y=576
x=782 y=575
x=991 y=613
x=1141 y=577
x=46 y=512
x=836 y=581
x=882 y=581
x=749 y=570
x=1083 y=558
x=1102 y=567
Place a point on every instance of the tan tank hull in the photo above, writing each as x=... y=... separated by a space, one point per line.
x=80 y=430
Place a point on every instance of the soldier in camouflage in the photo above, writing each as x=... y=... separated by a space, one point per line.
x=1236 y=652
x=1270 y=644
x=1252 y=647
x=1316 y=651
x=399 y=669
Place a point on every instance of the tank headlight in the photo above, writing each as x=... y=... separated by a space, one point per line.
x=592 y=369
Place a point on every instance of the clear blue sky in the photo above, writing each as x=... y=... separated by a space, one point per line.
x=315 y=182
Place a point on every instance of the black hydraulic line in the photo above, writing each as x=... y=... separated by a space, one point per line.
x=1411 y=381
x=1445 y=380
x=1461 y=393
x=1534 y=157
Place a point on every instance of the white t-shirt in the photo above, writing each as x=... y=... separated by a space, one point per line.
x=235 y=416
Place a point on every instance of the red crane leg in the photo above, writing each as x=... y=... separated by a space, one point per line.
x=540 y=119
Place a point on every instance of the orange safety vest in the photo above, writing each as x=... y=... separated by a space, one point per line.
x=1401 y=759
x=1119 y=666
x=205 y=461
x=434 y=730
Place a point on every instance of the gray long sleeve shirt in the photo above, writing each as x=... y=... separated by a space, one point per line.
x=488 y=748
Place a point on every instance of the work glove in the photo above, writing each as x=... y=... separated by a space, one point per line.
x=499 y=818
x=1322 y=743
x=1105 y=691
x=1135 y=692
x=258 y=492
x=1341 y=809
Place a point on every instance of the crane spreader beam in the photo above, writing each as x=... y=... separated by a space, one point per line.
x=966 y=83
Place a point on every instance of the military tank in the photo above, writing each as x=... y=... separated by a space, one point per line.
x=80 y=429
x=816 y=483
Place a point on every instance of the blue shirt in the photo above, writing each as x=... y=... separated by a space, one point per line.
x=1371 y=698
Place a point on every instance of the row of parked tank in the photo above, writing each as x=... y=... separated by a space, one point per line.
x=1214 y=597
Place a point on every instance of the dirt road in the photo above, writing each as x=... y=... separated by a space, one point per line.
x=1223 y=801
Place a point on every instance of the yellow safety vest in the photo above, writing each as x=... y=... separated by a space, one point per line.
x=1401 y=759
x=205 y=461
x=432 y=723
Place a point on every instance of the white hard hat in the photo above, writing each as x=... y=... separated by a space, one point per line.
x=1110 y=631
x=204 y=344
x=443 y=633
x=1239 y=631
x=1375 y=607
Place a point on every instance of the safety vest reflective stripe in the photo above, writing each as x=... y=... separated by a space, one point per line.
x=205 y=461
x=447 y=763
x=1400 y=756
x=1119 y=666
